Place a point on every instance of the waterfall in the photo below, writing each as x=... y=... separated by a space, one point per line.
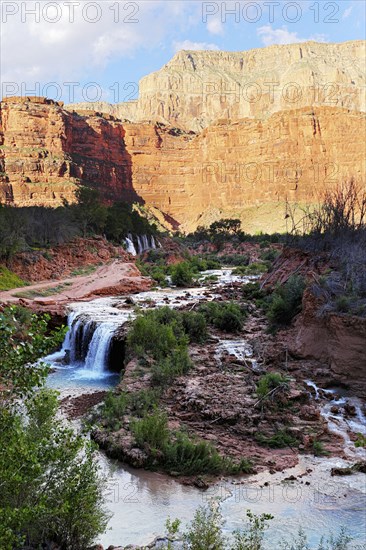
x=97 y=356
x=145 y=243
x=130 y=246
x=141 y=243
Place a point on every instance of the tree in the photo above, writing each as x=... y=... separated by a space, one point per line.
x=182 y=274
x=50 y=487
x=91 y=214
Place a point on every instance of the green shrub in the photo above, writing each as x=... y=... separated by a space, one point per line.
x=318 y=448
x=205 y=531
x=182 y=274
x=269 y=255
x=195 y=326
x=252 y=537
x=343 y=303
x=113 y=409
x=252 y=291
x=226 y=316
x=286 y=302
x=165 y=370
x=360 y=441
x=177 y=453
x=270 y=381
x=143 y=401
x=149 y=337
x=151 y=430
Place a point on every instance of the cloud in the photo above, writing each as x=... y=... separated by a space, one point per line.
x=214 y=26
x=347 y=12
x=74 y=48
x=189 y=45
x=270 y=36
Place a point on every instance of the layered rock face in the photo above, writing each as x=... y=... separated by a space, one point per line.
x=240 y=169
x=46 y=152
x=196 y=88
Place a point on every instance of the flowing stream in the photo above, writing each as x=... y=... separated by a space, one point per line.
x=141 y=501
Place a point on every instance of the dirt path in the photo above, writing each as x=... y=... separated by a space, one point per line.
x=117 y=277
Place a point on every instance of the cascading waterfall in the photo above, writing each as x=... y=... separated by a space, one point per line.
x=130 y=246
x=338 y=422
x=97 y=357
x=141 y=243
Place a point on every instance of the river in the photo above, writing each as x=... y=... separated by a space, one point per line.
x=141 y=501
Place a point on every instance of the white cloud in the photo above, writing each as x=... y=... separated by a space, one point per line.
x=347 y=12
x=74 y=51
x=189 y=45
x=270 y=36
x=214 y=26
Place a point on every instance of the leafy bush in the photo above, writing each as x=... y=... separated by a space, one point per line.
x=252 y=291
x=270 y=381
x=269 y=255
x=205 y=530
x=252 y=537
x=149 y=337
x=165 y=370
x=113 y=409
x=286 y=302
x=318 y=448
x=226 y=316
x=152 y=430
x=195 y=326
x=182 y=274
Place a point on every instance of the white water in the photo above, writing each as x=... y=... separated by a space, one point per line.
x=240 y=349
x=340 y=423
x=130 y=246
x=144 y=243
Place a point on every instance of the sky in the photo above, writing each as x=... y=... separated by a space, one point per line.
x=81 y=50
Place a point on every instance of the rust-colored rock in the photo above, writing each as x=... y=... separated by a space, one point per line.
x=247 y=168
x=335 y=339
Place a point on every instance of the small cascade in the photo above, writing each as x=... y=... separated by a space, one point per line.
x=145 y=243
x=239 y=349
x=98 y=351
x=336 y=413
x=130 y=246
x=88 y=341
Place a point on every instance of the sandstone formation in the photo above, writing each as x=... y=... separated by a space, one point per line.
x=197 y=87
x=335 y=339
x=246 y=168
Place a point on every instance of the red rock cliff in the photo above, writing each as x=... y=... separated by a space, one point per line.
x=245 y=168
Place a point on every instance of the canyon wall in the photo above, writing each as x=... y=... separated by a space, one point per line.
x=196 y=88
x=248 y=168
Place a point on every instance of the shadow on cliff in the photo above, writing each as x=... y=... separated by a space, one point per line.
x=99 y=158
